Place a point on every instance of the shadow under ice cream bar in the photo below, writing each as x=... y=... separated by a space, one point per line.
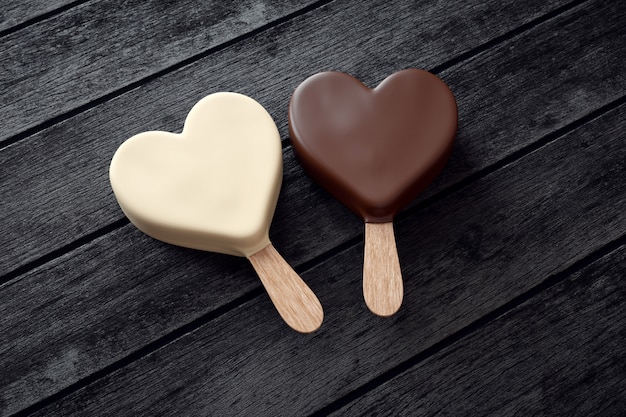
x=214 y=187
x=375 y=150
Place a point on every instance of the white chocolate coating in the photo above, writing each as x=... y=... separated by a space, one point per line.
x=213 y=187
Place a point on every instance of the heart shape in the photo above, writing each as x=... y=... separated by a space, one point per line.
x=213 y=187
x=375 y=149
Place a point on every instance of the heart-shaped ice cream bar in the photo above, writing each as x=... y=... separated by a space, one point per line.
x=214 y=187
x=375 y=150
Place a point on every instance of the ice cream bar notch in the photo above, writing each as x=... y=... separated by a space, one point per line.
x=375 y=150
x=214 y=187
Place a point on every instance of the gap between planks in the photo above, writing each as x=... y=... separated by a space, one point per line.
x=471 y=328
x=11 y=275
x=421 y=356
x=40 y=18
x=509 y=35
x=545 y=140
x=142 y=352
x=520 y=153
x=167 y=70
x=550 y=281
x=188 y=61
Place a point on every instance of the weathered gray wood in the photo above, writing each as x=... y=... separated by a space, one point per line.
x=462 y=257
x=98 y=47
x=314 y=236
x=66 y=165
x=95 y=312
x=559 y=354
x=16 y=12
x=301 y=238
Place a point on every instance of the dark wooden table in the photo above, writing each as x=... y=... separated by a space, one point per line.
x=514 y=260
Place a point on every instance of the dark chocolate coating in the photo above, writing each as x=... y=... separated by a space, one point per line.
x=375 y=149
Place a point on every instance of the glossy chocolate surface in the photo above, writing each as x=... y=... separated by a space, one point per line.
x=375 y=149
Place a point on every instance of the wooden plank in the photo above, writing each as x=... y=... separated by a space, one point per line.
x=93 y=312
x=115 y=260
x=18 y=12
x=181 y=306
x=462 y=257
x=88 y=56
x=560 y=353
x=65 y=165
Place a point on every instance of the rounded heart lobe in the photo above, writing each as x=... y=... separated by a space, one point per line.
x=373 y=149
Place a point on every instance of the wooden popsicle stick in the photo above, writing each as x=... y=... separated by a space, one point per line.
x=293 y=299
x=382 y=277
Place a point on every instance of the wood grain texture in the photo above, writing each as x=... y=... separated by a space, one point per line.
x=102 y=302
x=503 y=234
x=100 y=46
x=144 y=289
x=293 y=299
x=382 y=276
x=64 y=167
x=16 y=12
x=559 y=354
